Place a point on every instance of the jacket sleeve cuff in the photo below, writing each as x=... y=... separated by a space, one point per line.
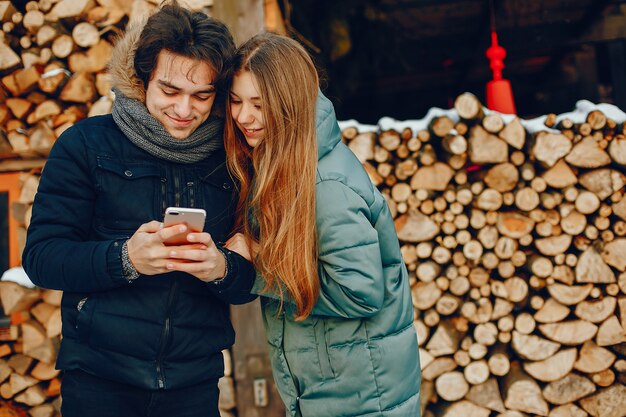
x=236 y=285
x=114 y=262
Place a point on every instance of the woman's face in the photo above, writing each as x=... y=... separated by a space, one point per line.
x=245 y=107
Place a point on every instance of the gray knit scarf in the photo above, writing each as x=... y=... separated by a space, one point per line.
x=148 y=133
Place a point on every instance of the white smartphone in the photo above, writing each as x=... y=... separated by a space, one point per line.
x=192 y=217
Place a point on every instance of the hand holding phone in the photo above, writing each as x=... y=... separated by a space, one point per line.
x=192 y=217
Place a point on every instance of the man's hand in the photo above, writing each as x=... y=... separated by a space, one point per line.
x=150 y=256
x=200 y=258
x=238 y=243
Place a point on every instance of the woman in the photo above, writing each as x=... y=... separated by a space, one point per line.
x=335 y=295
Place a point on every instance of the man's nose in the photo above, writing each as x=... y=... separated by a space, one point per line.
x=183 y=107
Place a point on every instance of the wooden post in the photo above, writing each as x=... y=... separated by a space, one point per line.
x=256 y=393
x=9 y=183
x=244 y=18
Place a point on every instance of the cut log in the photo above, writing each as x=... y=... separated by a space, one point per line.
x=560 y=175
x=554 y=245
x=468 y=106
x=80 y=88
x=571 y=388
x=499 y=363
x=32 y=21
x=363 y=146
x=485 y=148
x=568 y=410
x=514 y=225
x=574 y=223
x=20 y=363
x=619 y=208
x=425 y=295
x=438 y=367
x=593 y=358
x=8 y=58
x=533 y=347
x=603 y=182
x=69 y=9
x=596 y=311
x=573 y=332
x=554 y=367
x=21 y=382
x=514 y=133
x=476 y=372
x=502 y=177
x=445 y=341
x=415 y=227
x=43 y=410
x=617 y=150
x=435 y=177
x=614 y=254
x=62 y=46
x=522 y=393
x=569 y=294
x=33 y=396
x=16 y=298
x=455 y=144
x=610 y=402
x=465 y=408
x=487 y=395
x=587 y=154
x=94 y=60
x=451 y=386
x=592 y=268
x=611 y=332
x=85 y=35
x=489 y=200
x=44 y=371
x=6 y=10
x=44 y=110
x=550 y=147
x=587 y=202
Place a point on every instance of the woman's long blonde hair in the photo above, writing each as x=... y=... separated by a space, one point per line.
x=280 y=171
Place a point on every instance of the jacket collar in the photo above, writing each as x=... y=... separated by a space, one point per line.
x=328 y=132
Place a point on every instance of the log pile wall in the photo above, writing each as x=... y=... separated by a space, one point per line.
x=516 y=246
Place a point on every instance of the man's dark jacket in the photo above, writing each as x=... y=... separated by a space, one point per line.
x=161 y=331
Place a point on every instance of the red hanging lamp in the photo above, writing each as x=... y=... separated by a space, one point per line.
x=499 y=91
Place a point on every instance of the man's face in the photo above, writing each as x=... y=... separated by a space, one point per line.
x=180 y=93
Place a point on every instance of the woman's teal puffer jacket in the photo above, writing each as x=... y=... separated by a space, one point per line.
x=356 y=354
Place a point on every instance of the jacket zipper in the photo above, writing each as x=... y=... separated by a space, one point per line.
x=177 y=189
x=165 y=336
x=163 y=194
x=191 y=195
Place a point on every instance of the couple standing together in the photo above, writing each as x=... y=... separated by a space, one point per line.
x=292 y=217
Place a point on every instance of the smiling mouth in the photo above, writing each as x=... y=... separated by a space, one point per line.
x=180 y=121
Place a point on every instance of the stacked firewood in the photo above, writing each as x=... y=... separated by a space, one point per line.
x=53 y=57
x=515 y=241
x=29 y=338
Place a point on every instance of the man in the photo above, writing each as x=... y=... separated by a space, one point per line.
x=139 y=338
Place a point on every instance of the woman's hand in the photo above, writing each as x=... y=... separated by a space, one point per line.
x=238 y=243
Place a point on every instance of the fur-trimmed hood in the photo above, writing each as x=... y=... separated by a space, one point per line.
x=121 y=66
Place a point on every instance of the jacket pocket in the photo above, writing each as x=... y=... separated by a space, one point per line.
x=326 y=367
x=128 y=193
x=85 y=307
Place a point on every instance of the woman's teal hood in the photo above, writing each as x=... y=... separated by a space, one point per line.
x=328 y=132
